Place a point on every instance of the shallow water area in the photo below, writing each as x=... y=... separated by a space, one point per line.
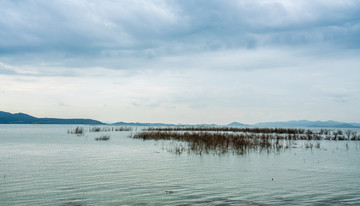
x=44 y=165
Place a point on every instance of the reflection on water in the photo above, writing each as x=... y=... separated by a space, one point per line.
x=44 y=165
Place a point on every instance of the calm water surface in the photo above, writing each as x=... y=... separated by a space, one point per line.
x=43 y=165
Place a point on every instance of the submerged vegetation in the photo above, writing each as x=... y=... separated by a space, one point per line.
x=219 y=143
x=77 y=130
x=220 y=140
x=205 y=142
x=81 y=130
x=109 y=129
x=103 y=138
x=290 y=133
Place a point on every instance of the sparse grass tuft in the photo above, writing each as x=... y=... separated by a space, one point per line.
x=103 y=138
x=77 y=130
x=220 y=140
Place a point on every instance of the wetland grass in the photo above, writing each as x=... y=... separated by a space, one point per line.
x=220 y=140
x=230 y=129
x=77 y=131
x=291 y=133
x=218 y=143
x=121 y=129
x=95 y=129
x=103 y=138
x=82 y=130
x=109 y=129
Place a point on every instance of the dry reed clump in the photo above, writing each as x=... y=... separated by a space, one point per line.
x=95 y=129
x=229 y=129
x=81 y=130
x=220 y=140
x=109 y=129
x=77 y=130
x=218 y=143
x=291 y=133
x=103 y=138
x=122 y=129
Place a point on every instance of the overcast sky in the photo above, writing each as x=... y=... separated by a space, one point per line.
x=178 y=61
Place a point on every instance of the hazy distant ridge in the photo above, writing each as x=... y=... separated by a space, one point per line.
x=21 y=118
x=306 y=123
x=299 y=123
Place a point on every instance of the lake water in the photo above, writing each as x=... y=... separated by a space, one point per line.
x=44 y=165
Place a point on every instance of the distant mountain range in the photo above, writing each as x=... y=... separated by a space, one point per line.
x=160 y=124
x=306 y=123
x=238 y=124
x=21 y=118
x=299 y=123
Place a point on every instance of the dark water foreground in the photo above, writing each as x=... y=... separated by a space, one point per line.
x=44 y=165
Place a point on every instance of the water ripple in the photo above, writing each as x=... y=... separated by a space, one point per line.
x=47 y=167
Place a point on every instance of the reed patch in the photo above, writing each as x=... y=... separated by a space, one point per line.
x=103 y=138
x=221 y=140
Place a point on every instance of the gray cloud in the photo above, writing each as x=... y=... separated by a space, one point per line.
x=147 y=29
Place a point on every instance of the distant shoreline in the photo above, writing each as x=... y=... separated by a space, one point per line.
x=22 y=118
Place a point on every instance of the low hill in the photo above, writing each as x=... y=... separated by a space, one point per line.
x=237 y=124
x=21 y=118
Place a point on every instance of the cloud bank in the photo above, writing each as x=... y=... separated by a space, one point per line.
x=181 y=61
x=108 y=29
